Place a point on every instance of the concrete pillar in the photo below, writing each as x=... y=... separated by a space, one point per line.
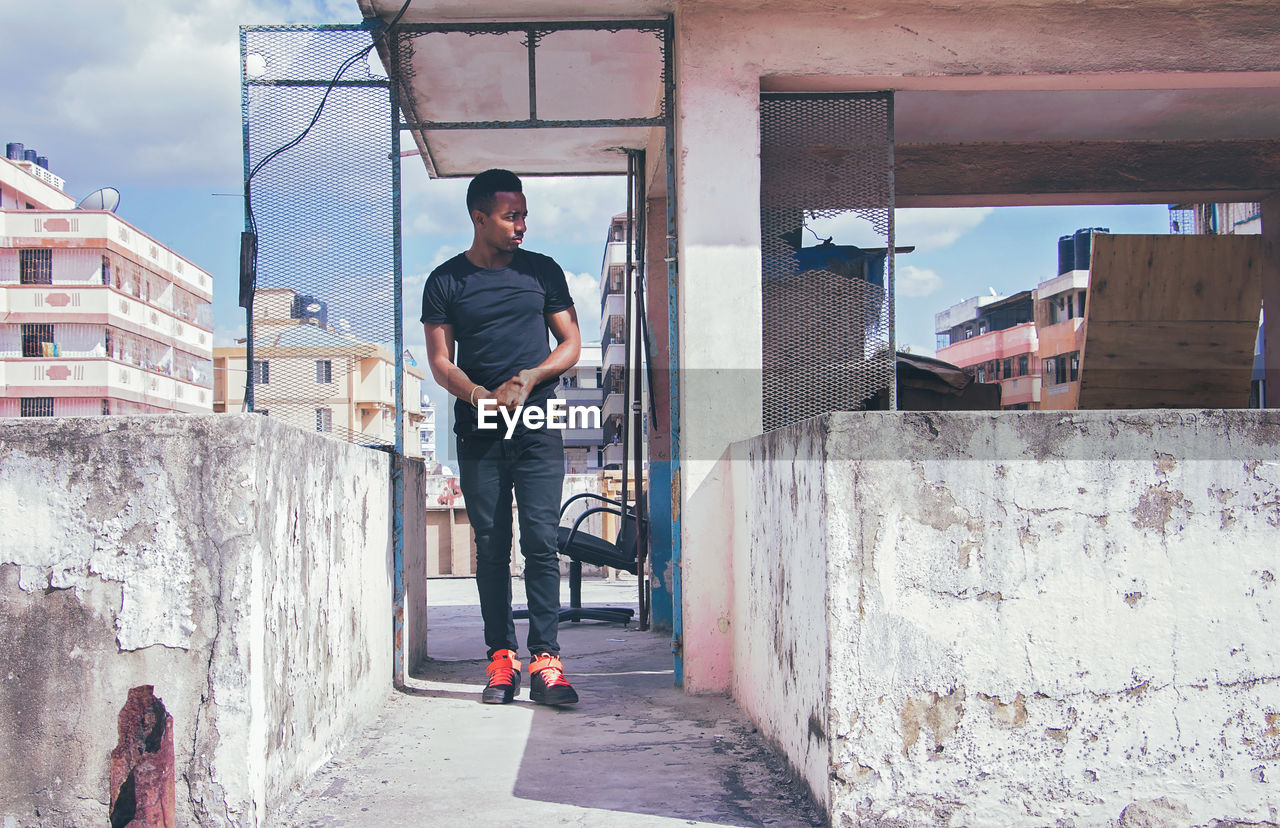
x=718 y=140
x=1271 y=298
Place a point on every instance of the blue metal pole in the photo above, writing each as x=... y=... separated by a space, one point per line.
x=244 y=130
x=397 y=459
x=673 y=356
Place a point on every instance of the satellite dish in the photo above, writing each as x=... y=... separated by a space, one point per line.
x=108 y=198
x=314 y=307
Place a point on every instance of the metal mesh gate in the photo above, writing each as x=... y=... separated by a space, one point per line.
x=324 y=338
x=826 y=180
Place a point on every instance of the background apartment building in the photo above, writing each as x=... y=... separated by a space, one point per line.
x=427 y=433
x=1031 y=342
x=96 y=317
x=613 y=341
x=312 y=375
x=995 y=337
x=580 y=386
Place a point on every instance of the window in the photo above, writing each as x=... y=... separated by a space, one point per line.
x=106 y=270
x=324 y=419
x=106 y=408
x=1062 y=368
x=261 y=372
x=1006 y=370
x=1071 y=308
x=35 y=407
x=981 y=373
x=1080 y=300
x=1023 y=365
x=37 y=341
x=324 y=371
x=35 y=266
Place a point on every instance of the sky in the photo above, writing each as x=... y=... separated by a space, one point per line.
x=144 y=96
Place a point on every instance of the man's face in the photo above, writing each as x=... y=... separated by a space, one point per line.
x=503 y=226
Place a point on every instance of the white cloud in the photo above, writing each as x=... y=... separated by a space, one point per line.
x=934 y=229
x=223 y=338
x=573 y=210
x=916 y=282
x=585 y=290
x=141 y=93
x=926 y=229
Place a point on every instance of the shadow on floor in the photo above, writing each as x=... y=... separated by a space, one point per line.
x=636 y=751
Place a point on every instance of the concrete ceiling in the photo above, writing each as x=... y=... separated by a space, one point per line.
x=458 y=78
x=942 y=123
x=942 y=116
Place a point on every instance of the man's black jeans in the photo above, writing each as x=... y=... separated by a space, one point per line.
x=490 y=468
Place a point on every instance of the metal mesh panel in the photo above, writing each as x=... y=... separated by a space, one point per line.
x=323 y=327
x=828 y=307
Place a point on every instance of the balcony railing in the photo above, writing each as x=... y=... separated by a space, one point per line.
x=101 y=377
x=100 y=304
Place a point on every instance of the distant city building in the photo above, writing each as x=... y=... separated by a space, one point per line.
x=96 y=317
x=613 y=342
x=427 y=430
x=318 y=378
x=580 y=386
x=1030 y=342
x=995 y=338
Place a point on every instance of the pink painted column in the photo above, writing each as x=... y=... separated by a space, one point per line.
x=1271 y=298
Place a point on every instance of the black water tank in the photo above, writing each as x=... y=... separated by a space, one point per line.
x=42 y=161
x=1066 y=254
x=1084 y=245
x=29 y=155
x=13 y=151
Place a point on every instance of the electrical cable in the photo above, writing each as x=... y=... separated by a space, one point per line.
x=249 y=260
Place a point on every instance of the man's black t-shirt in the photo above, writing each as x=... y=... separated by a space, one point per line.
x=499 y=321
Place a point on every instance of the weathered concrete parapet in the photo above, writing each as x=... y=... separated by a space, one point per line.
x=1015 y=619
x=239 y=565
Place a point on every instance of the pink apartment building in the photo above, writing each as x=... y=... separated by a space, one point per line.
x=994 y=337
x=96 y=317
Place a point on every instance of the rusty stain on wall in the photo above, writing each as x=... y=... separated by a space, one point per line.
x=938 y=714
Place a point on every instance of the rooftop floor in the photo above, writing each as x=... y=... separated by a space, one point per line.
x=635 y=751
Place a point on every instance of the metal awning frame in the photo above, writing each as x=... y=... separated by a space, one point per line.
x=533 y=31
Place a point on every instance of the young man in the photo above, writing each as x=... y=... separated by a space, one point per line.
x=497 y=302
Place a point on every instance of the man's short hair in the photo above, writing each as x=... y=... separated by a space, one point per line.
x=483 y=188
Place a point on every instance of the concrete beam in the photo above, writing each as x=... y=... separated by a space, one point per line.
x=1037 y=173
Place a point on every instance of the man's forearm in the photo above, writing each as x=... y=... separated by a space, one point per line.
x=564 y=357
x=454 y=380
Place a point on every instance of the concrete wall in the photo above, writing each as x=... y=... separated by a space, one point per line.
x=726 y=52
x=781 y=653
x=241 y=566
x=1031 y=618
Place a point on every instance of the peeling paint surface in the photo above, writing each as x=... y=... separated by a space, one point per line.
x=1033 y=618
x=239 y=565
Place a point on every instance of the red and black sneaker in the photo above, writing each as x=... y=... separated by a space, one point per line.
x=504 y=678
x=547 y=684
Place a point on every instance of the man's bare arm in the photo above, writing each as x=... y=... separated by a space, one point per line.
x=450 y=377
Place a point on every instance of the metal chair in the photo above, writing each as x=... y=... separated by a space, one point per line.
x=579 y=547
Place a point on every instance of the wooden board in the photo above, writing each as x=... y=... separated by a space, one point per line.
x=1171 y=321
